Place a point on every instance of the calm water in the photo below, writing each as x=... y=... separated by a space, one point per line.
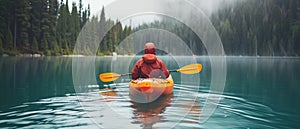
x=39 y=93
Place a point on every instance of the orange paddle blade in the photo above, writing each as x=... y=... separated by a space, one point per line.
x=108 y=77
x=190 y=69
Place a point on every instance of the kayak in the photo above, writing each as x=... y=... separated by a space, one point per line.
x=149 y=89
x=152 y=85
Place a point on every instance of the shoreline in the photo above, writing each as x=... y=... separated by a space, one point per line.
x=114 y=56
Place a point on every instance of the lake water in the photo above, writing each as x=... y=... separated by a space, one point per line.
x=259 y=92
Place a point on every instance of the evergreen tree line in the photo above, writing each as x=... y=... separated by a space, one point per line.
x=166 y=40
x=113 y=33
x=247 y=27
x=259 y=27
x=40 y=26
x=48 y=27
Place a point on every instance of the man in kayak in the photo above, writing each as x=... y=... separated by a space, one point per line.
x=149 y=66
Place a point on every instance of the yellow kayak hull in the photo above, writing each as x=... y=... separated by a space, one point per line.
x=149 y=89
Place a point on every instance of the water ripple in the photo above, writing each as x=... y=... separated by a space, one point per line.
x=181 y=110
x=47 y=113
x=251 y=114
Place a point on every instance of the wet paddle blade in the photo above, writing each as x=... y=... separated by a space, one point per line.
x=190 y=69
x=109 y=77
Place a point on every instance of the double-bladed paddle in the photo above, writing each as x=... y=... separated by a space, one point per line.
x=188 y=69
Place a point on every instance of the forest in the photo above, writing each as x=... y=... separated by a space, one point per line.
x=246 y=27
x=260 y=27
x=48 y=27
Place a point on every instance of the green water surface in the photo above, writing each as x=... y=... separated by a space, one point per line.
x=260 y=92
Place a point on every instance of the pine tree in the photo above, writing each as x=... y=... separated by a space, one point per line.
x=68 y=23
x=117 y=35
x=45 y=26
x=75 y=25
x=88 y=12
x=34 y=46
x=23 y=15
x=1 y=44
x=102 y=29
x=102 y=15
x=7 y=14
x=111 y=41
x=128 y=45
x=84 y=18
x=35 y=20
x=9 y=40
x=53 y=12
x=93 y=34
x=54 y=47
x=62 y=26
x=80 y=13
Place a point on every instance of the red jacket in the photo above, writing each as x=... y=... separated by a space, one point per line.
x=149 y=67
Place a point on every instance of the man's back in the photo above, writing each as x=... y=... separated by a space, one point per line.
x=149 y=66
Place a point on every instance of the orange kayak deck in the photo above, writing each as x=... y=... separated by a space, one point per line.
x=152 y=85
x=149 y=89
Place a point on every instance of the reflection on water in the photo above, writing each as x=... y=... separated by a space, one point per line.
x=30 y=79
x=148 y=114
x=166 y=111
x=39 y=93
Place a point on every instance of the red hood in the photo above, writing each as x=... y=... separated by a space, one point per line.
x=149 y=48
x=149 y=58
